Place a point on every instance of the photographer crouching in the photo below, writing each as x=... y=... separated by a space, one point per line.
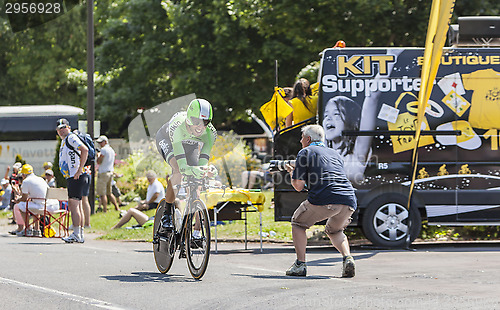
x=330 y=196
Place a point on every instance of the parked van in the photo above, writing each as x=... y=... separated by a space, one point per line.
x=367 y=106
x=30 y=131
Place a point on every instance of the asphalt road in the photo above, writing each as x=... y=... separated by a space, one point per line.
x=48 y=274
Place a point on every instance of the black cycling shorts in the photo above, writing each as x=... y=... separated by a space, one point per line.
x=76 y=187
x=163 y=143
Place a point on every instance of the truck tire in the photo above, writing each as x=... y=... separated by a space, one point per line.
x=385 y=221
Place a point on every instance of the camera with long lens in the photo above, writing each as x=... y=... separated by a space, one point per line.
x=280 y=165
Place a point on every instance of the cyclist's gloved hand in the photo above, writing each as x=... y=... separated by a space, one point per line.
x=212 y=171
x=197 y=171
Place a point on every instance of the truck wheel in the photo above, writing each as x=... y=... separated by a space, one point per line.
x=385 y=221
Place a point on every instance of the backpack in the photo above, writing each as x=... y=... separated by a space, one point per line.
x=89 y=143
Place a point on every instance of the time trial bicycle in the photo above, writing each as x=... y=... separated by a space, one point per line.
x=194 y=246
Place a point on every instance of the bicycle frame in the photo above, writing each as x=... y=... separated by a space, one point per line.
x=178 y=239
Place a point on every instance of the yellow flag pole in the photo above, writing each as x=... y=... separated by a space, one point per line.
x=276 y=76
x=439 y=21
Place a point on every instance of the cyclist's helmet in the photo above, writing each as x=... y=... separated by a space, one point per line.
x=199 y=110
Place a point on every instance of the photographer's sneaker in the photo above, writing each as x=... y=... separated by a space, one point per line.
x=348 y=267
x=297 y=270
x=73 y=238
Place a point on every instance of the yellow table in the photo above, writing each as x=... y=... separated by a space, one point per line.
x=250 y=200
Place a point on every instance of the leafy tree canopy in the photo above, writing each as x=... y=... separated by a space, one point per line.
x=150 y=51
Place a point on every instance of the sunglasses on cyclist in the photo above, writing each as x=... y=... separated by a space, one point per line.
x=197 y=122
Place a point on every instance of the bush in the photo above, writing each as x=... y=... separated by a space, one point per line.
x=230 y=152
x=134 y=183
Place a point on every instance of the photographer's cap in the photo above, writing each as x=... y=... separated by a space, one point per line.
x=62 y=122
x=4 y=181
x=17 y=165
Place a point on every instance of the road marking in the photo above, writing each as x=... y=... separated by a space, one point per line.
x=257 y=268
x=73 y=297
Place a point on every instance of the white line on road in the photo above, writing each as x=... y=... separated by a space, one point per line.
x=81 y=299
x=258 y=269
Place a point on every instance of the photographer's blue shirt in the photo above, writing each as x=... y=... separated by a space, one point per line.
x=322 y=169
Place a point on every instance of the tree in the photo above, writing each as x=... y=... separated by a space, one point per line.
x=33 y=61
x=151 y=51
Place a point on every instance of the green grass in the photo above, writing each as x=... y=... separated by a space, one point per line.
x=236 y=229
x=102 y=222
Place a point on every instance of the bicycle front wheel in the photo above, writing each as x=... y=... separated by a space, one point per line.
x=163 y=247
x=198 y=239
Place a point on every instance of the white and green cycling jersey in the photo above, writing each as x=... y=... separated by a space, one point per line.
x=190 y=152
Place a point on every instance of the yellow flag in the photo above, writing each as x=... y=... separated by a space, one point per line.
x=439 y=21
x=268 y=110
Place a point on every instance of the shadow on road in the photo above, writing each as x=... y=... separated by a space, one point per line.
x=271 y=277
x=338 y=259
x=137 y=277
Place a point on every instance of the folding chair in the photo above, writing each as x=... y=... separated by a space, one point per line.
x=49 y=218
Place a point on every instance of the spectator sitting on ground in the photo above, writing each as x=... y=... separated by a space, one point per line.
x=17 y=218
x=5 y=198
x=249 y=178
x=142 y=219
x=34 y=188
x=15 y=176
x=47 y=165
x=49 y=178
x=154 y=194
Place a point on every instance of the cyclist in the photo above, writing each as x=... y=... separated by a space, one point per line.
x=185 y=142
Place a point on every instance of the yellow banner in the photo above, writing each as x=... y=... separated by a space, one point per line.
x=268 y=109
x=439 y=21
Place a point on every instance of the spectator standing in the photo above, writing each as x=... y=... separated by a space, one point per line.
x=304 y=102
x=154 y=194
x=330 y=197
x=71 y=163
x=49 y=178
x=106 y=160
x=85 y=222
x=116 y=191
x=34 y=188
x=5 y=198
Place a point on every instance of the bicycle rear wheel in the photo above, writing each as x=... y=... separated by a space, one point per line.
x=163 y=247
x=198 y=244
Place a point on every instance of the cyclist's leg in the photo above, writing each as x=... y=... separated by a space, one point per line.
x=165 y=149
x=173 y=181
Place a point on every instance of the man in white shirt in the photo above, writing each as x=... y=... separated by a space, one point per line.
x=34 y=188
x=72 y=157
x=154 y=194
x=106 y=160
